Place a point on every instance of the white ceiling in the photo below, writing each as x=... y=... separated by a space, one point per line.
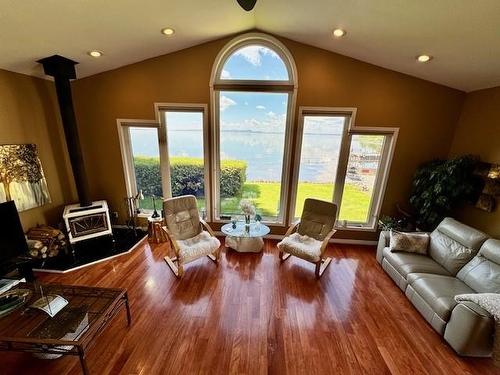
x=462 y=35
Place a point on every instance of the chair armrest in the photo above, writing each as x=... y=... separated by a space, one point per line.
x=292 y=228
x=172 y=240
x=207 y=227
x=324 y=244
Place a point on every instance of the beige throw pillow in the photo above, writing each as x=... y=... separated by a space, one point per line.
x=417 y=242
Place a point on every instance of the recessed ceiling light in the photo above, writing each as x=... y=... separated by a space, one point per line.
x=424 y=58
x=168 y=31
x=95 y=53
x=338 y=33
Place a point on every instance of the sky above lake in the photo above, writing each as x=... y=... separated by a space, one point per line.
x=253 y=111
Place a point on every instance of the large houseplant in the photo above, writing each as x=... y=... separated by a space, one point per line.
x=441 y=185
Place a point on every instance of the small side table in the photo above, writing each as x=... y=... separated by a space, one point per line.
x=155 y=232
x=245 y=238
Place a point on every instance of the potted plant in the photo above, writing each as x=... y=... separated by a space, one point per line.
x=439 y=186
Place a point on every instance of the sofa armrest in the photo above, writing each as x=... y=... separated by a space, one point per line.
x=470 y=330
x=383 y=242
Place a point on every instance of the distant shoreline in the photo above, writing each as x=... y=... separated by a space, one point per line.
x=251 y=131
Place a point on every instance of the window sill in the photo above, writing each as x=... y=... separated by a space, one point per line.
x=354 y=228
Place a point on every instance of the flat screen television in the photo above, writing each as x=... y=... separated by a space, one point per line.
x=12 y=239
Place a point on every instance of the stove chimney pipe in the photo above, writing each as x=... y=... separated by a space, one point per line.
x=63 y=69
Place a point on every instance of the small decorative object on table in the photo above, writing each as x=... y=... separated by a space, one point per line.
x=155 y=213
x=50 y=304
x=248 y=209
x=258 y=220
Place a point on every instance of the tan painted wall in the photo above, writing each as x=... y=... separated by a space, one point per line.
x=478 y=133
x=425 y=112
x=28 y=114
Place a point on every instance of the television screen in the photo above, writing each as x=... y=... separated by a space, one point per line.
x=12 y=240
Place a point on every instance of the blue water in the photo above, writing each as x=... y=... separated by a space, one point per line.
x=263 y=152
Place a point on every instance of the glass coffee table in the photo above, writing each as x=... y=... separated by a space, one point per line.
x=245 y=238
x=71 y=331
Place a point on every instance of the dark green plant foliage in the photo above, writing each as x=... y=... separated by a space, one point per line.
x=439 y=186
x=187 y=176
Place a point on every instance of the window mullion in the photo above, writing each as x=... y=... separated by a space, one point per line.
x=377 y=195
x=340 y=178
x=129 y=160
x=164 y=158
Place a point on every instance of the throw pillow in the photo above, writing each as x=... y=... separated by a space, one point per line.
x=416 y=242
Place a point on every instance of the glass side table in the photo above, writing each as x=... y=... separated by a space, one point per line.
x=245 y=238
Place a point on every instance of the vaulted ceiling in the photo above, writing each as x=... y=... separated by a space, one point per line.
x=463 y=36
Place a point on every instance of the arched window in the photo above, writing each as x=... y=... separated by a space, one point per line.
x=253 y=84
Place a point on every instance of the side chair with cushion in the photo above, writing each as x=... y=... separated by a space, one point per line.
x=185 y=231
x=308 y=238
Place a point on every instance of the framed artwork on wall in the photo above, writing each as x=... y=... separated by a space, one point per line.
x=21 y=177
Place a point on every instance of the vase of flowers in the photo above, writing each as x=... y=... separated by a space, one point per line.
x=248 y=210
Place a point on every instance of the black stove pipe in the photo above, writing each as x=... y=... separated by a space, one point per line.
x=63 y=69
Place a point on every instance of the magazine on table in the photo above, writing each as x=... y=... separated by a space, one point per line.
x=51 y=304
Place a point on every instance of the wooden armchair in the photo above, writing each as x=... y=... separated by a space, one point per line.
x=186 y=234
x=308 y=238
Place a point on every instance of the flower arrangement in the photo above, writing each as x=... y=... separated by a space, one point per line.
x=248 y=209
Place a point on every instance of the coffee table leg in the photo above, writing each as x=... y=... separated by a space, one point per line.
x=83 y=362
x=129 y=317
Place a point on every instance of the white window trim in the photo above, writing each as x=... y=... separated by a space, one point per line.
x=391 y=134
x=252 y=39
x=290 y=87
x=160 y=109
x=123 y=126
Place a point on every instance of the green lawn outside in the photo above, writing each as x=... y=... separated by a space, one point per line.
x=265 y=196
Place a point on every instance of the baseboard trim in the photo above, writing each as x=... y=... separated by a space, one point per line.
x=345 y=241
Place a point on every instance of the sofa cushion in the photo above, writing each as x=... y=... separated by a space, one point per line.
x=482 y=273
x=453 y=244
x=406 y=263
x=438 y=291
x=413 y=242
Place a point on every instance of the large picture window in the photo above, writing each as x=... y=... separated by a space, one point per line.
x=366 y=175
x=185 y=129
x=253 y=95
x=139 y=142
x=341 y=163
x=320 y=148
x=246 y=151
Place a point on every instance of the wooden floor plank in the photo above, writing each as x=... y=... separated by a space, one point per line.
x=255 y=315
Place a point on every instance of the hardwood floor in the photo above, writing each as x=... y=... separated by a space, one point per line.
x=252 y=315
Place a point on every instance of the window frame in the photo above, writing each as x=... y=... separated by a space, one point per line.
x=390 y=133
x=123 y=126
x=218 y=85
x=160 y=110
x=381 y=178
